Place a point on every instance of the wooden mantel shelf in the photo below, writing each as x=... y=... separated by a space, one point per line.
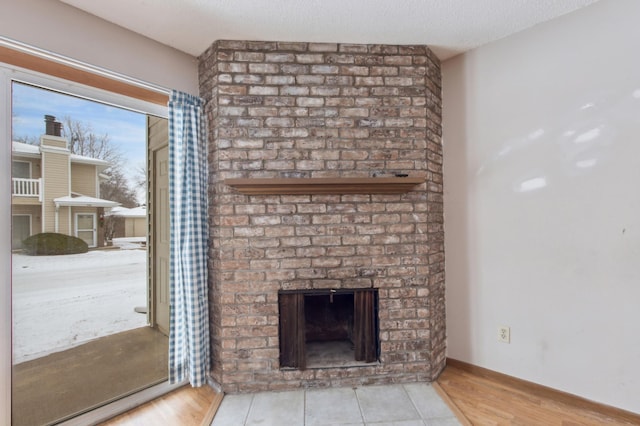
x=310 y=186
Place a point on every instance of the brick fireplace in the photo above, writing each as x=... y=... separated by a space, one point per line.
x=339 y=111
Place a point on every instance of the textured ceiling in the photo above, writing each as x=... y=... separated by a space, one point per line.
x=448 y=26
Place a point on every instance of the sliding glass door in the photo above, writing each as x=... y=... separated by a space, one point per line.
x=83 y=313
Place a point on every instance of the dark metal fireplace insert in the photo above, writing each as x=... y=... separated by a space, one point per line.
x=328 y=328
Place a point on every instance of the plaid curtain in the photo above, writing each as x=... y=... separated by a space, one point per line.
x=189 y=315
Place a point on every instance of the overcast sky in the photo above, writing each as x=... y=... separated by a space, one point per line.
x=125 y=128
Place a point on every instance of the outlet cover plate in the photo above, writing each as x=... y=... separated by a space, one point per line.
x=504 y=334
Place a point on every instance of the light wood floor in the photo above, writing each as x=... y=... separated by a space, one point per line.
x=186 y=406
x=487 y=398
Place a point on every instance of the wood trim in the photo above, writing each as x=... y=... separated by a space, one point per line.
x=55 y=69
x=452 y=405
x=546 y=392
x=310 y=186
x=123 y=405
x=213 y=409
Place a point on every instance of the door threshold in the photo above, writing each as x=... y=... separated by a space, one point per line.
x=122 y=405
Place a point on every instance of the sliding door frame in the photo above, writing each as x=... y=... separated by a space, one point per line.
x=5 y=254
x=93 y=84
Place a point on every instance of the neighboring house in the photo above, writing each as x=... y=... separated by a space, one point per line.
x=54 y=190
x=129 y=223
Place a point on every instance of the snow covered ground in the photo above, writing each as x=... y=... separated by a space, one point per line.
x=64 y=301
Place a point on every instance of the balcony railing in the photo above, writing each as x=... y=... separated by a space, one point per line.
x=27 y=188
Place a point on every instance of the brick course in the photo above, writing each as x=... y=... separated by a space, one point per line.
x=323 y=110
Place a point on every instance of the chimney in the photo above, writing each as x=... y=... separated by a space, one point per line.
x=52 y=127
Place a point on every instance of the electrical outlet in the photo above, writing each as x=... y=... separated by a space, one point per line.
x=504 y=334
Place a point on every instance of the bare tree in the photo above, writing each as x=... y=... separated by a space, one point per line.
x=116 y=188
x=84 y=141
x=140 y=179
x=30 y=140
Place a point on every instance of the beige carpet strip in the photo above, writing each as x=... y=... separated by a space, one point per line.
x=65 y=383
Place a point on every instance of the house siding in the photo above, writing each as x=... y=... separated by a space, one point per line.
x=135 y=227
x=55 y=141
x=25 y=201
x=56 y=184
x=83 y=179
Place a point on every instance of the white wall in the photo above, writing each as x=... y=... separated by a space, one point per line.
x=65 y=30
x=542 y=204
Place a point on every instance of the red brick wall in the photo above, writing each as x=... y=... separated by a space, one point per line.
x=324 y=110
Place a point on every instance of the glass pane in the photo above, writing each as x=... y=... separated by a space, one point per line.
x=21 y=226
x=81 y=334
x=20 y=169
x=85 y=221
x=86 y=236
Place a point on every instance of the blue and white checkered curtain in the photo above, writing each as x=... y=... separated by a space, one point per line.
x=189 y=315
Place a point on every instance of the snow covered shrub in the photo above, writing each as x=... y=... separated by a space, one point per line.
x=50 y=243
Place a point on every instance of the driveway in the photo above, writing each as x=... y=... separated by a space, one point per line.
x=63 y=301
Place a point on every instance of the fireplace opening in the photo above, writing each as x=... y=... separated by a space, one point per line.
x=328 y=322
x=328 y=328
